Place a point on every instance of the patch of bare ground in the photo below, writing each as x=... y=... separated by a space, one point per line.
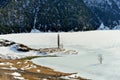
x=24 y=69
x=29 y=71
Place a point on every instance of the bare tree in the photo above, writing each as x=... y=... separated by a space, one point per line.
x=100 y=58
x=58 y=41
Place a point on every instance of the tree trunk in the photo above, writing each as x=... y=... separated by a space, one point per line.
x=58 y=40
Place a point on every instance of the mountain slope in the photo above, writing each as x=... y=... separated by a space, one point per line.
x=4 y=3
x=118 y=3
x=48 y=15
x=56 y=15
x=107 y=11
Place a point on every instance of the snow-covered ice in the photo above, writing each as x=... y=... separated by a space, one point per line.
x=86 y=63
x=89 y=45
x=33 y=40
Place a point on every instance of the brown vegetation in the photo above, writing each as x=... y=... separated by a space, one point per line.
x=29 y=71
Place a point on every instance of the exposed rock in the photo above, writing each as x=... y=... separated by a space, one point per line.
x=6 y=43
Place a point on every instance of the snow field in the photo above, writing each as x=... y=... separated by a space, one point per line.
x=89 y=44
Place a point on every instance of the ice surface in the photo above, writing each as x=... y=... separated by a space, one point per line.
x=88 y=44
x=86 y=63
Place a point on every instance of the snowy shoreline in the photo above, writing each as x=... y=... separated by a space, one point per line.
x=88 y=45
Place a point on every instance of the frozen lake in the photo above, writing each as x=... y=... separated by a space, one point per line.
x=88 y=44
x=86 y=63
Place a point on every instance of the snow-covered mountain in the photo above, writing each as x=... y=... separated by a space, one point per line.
x=107 y=11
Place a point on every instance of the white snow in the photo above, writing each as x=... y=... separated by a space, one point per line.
x=11 y=53
x=33 y=40
x=29 y=67
x=2 y=64
x=38 y=70
x=88 y=44
x=71 y=77
x=11 y=68
x=103 y=27
x=18 y=62
x=45 y=79
x=16 y=74
x=6 y=63
x=19 y=78
x=35 y=31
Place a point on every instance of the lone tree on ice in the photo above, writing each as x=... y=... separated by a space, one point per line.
x=100 y=58
x=58 y=41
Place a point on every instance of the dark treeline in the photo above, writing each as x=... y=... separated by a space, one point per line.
x=45 y=15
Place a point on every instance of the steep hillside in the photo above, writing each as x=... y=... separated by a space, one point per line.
x=118 y=3
x=107 y=11
x=46 y=15
x=4 y=3
x=56 y=15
